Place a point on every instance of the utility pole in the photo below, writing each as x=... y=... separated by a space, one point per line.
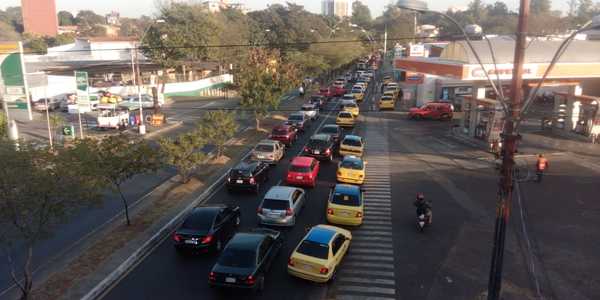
x=510 y=146
x=25 y=83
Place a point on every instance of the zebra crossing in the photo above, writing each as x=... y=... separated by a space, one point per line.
x=367 y=272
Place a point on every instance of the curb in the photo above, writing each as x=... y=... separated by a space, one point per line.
x=156 y=239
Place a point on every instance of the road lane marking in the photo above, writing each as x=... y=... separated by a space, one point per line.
x=370 y=272
x=372 y=245
x=377 y=217
x=372 y=233
x=362 y=257
x=373 y=251
x=383 y=239
x=389 y=223
x=370 y=280
x=367 y=289
x=341 y=296
x=367 y=227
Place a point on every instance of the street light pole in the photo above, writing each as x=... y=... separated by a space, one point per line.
x=510 y=146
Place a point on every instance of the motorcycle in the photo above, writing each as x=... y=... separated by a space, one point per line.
x=423 y=220
x=539 y=174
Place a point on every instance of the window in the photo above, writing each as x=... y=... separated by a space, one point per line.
x=313 y=165
x=219 y=219
x=264 y=248
x=354 y=164
x=352 y=142
x=265 y=148
x=314 y=249
x=296 y=196
x=238 y=258
x=337 y=243
x=299 y=169
x=345 y=199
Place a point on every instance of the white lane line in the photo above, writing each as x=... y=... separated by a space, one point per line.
x=341 y=296
x=378 y=200
x=369 y=222
x=373 y=227
x=377 y=189
x=372 y=233
x=364 y=289
x=380 y=193
x=381 y=239
x=359 y=257
x=379 y=213
x=372 y=245
x=374 y=251
x=370 y=272
x=380 y=209
x=380 y=197
x=375 y=217
x=370 y=280
x=373 y=204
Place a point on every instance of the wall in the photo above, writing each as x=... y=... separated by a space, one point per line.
x=39 y=17
x=50 y=86
x=194 y=88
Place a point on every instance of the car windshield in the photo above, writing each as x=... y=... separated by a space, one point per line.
x=352 y=164
x=351 y=98
x=299 y=169
x=345 y=115
x=279 y=131
x=238 y=258
x=329 y=129
x=198 y=222
x=265 y=148
x=308 y=108
x=350 y=105
x=314 y=249
x=296 y=118
x=356 y=91
x=275 y=204
x=313 y=143
x=240 y=173
x=352 y=142
x=345 y=199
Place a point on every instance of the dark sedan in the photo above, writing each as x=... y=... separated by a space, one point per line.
x=320 y=146
x=248 y=175
x=207 y=228
x=334 y=131
x=246 y=259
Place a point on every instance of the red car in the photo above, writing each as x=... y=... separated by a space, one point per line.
x=337 y=89
x=326 y=92
x=432 y=110
x=303 y=171
x=286 y=134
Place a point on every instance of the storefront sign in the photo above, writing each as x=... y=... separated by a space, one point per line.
x=417 y=50
x=83 y=97
x=476 y=72
x=414 y=78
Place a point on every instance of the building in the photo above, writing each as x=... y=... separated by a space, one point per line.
x=217 y=5
x=338 y=8
x=114 y=18
x=39 y=17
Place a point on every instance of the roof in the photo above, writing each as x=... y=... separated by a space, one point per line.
x=206 y=211
x=282 y=126
x=351 y=158
x=353 y=137
x=280 y=192
x=538 y=51
x=109 y=39
x=302 y=161
x=268 y=142
x=345 y=113
x=320 y=136
x=246 y=165
x=245 y=240
x=347 y=189
x=320 y=235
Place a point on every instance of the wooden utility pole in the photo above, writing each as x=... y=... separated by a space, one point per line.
x=510 y=138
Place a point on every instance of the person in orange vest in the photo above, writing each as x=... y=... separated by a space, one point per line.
x=541 y=166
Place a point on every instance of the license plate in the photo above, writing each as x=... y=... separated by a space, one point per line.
x=239 y=181
x=230 y=280
x=299 y=177
x=317 y=152
x=306 y=267
x=261 y=156
x=192 y=242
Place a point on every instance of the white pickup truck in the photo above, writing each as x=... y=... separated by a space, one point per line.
x=113 y=119
x=310 y=111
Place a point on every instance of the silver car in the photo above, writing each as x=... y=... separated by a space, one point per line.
x=281 y=206
x=268 y=151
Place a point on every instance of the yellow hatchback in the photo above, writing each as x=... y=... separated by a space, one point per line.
x=351 y=170
x=352 y=145
x=358 y=93
x=345 y=205
x=320 y=253
x=345 y=119
x=387 y=102
x=351 y=107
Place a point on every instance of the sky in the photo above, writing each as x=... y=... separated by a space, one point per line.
x=136 y=8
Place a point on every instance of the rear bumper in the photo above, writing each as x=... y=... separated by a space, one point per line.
x=243 y=186
x=287 y=221
x=344 y=152
x=350 y=180
x=300 y=182
x=352 y=221
x=321 y=156
x=308 y=276
x=200 y=248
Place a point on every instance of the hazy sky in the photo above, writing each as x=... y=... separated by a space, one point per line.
x=136 y=8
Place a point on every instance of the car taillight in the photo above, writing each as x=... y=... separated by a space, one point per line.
x=250 y=280
x=358 y=214
x=212 y=276
x=228 y=179
x=291 y=262
x=327 y=151
x=324 y=270
x=330 y=211
x=177 y=237
x=207 y=239
x=259 y=210
x=306 y=149
x=252 y=181
x=289 y=212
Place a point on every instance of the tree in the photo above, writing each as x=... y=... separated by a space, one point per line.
x=39 y=189
x=3 y=126
x=262 y=80
x=119 y=158
x=572 y=8
x=540 y=7
x=65 y=18
x=36 y=44
x=498 y=9
x=8 y=33
x=89 y=18
x=477 y=11
x=584 y=10
x=217 y=127
x=184 y=153
x=13 y=17
x=361 y=15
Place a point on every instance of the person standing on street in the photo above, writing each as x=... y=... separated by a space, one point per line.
x=541 y=166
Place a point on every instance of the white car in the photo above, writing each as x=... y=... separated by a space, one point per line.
x=310 y=111
x=132 y=102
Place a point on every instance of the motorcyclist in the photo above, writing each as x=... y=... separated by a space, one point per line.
x=301 y=90
x=423 y=207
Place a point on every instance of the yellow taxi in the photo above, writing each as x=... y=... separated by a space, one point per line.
x=352 y=145
x=387 y=102
x=358 y=93
x=351 y=170
x=352 y=107
x=345 y=119
x=387 y=79
x=320 y=253
x=345 y=205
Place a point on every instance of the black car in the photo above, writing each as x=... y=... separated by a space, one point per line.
x=248 y=175
x=320 y=146
x=246 y=259
x=334 y=131
x=207 y=228
x=318 y=100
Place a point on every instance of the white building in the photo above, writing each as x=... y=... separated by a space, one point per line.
x=338 y=8
x=217 y=5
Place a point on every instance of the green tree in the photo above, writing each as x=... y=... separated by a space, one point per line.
x=361 y=15
x=217 y=127
x=89 y=18
x=118 y=159
x=498 y=9
x=477 y=10
x=13 y=17
x=3 y=126
x=184 y=153
x=65 y=18
x=8 y=33
x=36 y=44
x=540 y=7
x=39 y=190
x=262 y=80
x=584 y=10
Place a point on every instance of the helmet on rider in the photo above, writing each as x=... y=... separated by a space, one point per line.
x=420 y=196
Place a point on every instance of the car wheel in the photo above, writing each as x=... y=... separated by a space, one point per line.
x=260 y=286
x=417 y=117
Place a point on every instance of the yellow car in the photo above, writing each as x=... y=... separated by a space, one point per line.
x=387 y=79
x=351 y=170
x=319 y=253
x=351 y=107
x=387 y=102
x=358 y=93
x=352 y=145
x=345 y=205
x=345 y=119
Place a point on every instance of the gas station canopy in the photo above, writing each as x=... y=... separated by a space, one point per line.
x=580 y=60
